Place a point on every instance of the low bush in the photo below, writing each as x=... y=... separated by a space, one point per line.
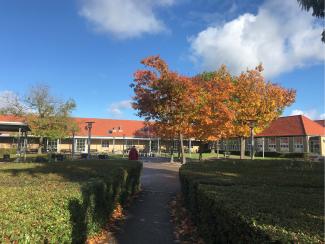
x=259 y=201
x=62 y=202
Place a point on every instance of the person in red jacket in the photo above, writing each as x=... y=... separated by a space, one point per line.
x=133 y=154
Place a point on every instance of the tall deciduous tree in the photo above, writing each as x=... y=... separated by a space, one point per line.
x=256 y=99
x=46 y=115
x=163 y=96
x=213 y=114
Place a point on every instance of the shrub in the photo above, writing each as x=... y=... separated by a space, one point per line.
x=258 y=201
x=62 y=202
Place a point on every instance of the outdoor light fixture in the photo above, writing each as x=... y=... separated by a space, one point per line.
x=251 y=124
x=89 y=126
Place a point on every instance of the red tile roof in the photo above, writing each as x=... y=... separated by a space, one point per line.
x=104 y=127
x=297 y=125
x=114 y=128
x=321 y=122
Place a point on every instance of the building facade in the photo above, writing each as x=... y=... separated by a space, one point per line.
x=291 y=134
x=107 y=136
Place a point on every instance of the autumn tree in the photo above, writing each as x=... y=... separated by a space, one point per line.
x=46 y=115
x=213 y=114
x=256 y=99
x=164 y=97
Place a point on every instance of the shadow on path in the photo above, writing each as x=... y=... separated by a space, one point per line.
x=148 y=219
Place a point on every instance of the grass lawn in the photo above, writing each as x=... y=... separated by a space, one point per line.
x=256 y=201
x=36 y=199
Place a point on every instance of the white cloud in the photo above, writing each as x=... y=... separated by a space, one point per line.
x=280 y=35
x=124 y=18
x=117 y=108
x=312 y=113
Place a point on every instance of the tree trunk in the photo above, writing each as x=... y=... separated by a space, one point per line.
x=213 y=147
x=172 y=151
x=242 y=147
x=217 y=147
x=178 y=150
x=182 y=148
x=40 y=145
x=200 y=151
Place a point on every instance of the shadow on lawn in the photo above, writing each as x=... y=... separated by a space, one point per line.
x=79 y=171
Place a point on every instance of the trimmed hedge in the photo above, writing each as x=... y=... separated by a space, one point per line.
x=62 y=202
x=256 y=202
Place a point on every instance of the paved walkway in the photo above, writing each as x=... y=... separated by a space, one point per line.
x=148 y=219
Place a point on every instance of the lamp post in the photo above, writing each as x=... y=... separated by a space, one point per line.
x=251 y=124
x=89 y=126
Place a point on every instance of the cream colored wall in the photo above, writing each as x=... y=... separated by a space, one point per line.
x=5 y=145
x=96 y=144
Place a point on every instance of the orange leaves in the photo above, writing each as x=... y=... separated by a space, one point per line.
x=209 y=106
x=163 y=96
x=258 y=100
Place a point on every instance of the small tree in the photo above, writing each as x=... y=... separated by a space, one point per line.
x=47 y=116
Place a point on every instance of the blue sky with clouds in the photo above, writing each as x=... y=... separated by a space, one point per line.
x=89 y=49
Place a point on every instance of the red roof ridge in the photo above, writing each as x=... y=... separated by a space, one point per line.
x=84 y=118
x=303 y=124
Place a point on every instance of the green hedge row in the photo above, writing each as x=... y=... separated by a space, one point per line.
x=62 y=202
x=237 y=202
x=89 y=214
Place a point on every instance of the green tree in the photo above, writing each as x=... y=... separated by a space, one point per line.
x=46 y=115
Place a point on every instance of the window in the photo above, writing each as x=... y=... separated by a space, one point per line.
x=80 y=145
x=298 y=144
x=249 y=145
x=272 y=144
x=284 y=144
x=105 y=143
x=52 y=145
x=259 y=146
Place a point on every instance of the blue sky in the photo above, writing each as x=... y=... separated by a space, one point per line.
x=88 y=50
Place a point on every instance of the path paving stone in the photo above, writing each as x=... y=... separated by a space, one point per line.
x=148 y=220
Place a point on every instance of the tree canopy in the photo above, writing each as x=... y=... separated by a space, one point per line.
x=46 y=115
x=208 y=106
